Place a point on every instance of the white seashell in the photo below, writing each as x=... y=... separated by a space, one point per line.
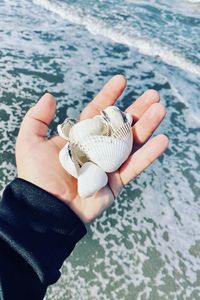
x=96 y=146
x=129 y=118
x=64 y=128
x=78 y=156
x=86 y=128
x=91 y=179
x=115 y=118
x=112 y=115
x=109 y=152
x=105 y=128
x=66 y=161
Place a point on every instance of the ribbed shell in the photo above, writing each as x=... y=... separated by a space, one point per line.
x=109 y=152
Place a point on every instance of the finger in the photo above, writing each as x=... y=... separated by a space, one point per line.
x=143 y=103
x=149 y=121
x=142 y=158
x=38 y=118
x=60 y=142
x=107 y=96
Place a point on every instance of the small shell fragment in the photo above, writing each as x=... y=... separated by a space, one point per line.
x=65 y=127
x=67 y=162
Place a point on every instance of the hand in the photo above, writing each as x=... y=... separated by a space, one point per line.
x=37 y=157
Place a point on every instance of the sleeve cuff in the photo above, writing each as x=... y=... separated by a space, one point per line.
x=41 y=228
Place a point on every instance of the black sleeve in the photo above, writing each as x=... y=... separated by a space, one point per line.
x=37 y=233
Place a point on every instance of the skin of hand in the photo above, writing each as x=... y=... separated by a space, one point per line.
x=37 y=156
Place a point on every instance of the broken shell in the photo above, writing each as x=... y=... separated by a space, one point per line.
x=66 y=161
x=115 y=118
x=91 y=179
x=64 y=128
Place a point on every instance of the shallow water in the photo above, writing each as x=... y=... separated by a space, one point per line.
x=147 y=245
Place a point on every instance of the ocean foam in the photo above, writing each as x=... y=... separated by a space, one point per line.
x=194 y=1
x=98 y=27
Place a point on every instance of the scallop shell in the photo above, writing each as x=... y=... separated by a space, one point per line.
x=67 y=162
x=91 y=179
x=109 y=152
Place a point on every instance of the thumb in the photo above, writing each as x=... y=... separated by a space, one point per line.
x=38 y=118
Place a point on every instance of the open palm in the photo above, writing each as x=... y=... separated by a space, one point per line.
x=37 y=157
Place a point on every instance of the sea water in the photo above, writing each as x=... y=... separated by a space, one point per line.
x=147 y=244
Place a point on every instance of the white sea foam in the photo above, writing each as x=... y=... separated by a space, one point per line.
x=98 y=27
x=194 y=1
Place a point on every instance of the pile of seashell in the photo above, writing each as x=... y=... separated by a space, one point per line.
x=95 y=147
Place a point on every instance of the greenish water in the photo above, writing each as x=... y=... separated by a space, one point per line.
x=147 y=245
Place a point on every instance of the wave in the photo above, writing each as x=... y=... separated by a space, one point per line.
x=194 y=1
x=98 y=27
